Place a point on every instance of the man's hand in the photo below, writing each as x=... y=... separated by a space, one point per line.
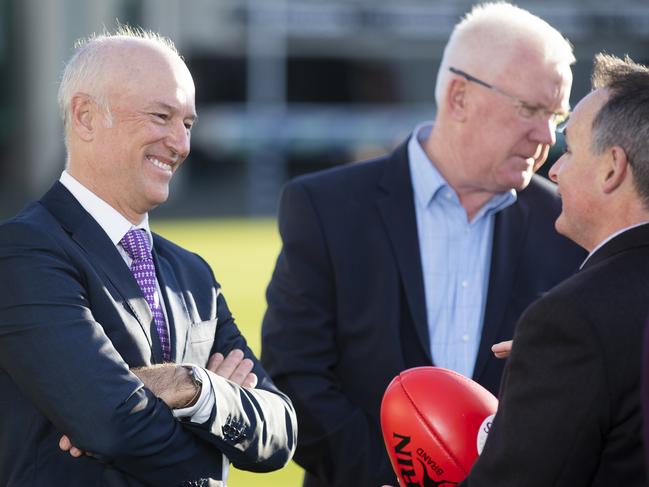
x=502 y=349
x=234 y=368
x=66 y=445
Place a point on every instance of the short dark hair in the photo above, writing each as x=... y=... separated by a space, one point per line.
x=624 y=119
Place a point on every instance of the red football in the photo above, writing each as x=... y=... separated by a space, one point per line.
x=432 y=419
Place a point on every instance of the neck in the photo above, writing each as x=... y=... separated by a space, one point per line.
x=616 y=219
x=448 y=162
x=89 y=182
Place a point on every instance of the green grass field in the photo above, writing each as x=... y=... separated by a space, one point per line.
x=242 y=254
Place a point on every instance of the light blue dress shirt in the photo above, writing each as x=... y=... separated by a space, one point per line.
x=455 y=257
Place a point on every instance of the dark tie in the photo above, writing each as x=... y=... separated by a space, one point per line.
x=136 y=244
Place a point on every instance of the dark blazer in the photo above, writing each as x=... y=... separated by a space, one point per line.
x=346 y=308
x=73 y=321
x=570 y=412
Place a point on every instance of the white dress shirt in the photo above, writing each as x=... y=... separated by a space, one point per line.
x=455 y=258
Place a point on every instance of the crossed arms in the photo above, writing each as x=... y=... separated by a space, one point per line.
x=172 y=383
x=56 y=317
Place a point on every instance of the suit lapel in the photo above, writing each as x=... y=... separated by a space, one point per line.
x=87 y=233
x=509 y=229
x=396 y=207
x=178 y=317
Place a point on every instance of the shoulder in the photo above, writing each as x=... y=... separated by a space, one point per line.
x=610 y=289
x=33 y=226
x=348 y=175
x=357 y=181
x=333 y=191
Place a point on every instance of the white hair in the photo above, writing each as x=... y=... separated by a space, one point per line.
x=487 y=38
x=88 y=67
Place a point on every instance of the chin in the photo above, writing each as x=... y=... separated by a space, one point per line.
x=516 y=179
x=156 y=198
x=560 y=227
x=521 y=183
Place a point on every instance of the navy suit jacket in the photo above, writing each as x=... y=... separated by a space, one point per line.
x=570 y=412
x=73 y=321
x=346 y=307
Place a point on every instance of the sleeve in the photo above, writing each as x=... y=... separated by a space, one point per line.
x=554 y=404
x=255 y=428
x=338 y=442
x=64 y=364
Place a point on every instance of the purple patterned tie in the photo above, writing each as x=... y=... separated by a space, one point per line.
x=136 y=244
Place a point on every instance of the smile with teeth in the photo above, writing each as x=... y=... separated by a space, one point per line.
x=159 y=164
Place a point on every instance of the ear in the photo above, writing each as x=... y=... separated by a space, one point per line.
x=616 y=169
x=83 y=116
x=456 y=99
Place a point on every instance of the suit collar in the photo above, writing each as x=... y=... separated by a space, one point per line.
x=510 y=228
x=87 y=233
x=425 y=178
x=637 y=236
x=396 y=208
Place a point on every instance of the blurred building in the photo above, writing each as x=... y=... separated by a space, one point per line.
x=283 y=86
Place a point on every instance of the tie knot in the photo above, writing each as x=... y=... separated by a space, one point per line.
x=136 y=244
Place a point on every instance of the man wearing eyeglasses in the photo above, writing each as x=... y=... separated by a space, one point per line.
x=425 y=256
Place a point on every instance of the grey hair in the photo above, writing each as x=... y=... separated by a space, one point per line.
x=487 y=37
x=85 y=70
x=623 y=120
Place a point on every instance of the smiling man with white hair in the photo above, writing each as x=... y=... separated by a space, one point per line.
x=120 y=362
x=427 y=255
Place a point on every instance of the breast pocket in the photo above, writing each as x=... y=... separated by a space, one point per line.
x=200 y=337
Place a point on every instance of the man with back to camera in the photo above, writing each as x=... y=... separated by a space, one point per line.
x=570 y=411
x=114 y=341
x=426 y=256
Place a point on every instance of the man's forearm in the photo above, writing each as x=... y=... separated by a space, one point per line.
x=172 y=383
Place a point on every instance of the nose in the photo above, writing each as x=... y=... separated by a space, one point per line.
x=544 y=131
x=178 y=140
x=555 y=169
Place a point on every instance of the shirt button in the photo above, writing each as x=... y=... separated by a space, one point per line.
x=448 y=195
x=465 y=338
x=465 y=283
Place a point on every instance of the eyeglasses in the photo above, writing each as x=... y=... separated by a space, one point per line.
x=525 y=109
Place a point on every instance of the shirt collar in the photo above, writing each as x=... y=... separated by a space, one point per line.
x=427 y=181
x=108 y=218
x=608 y=239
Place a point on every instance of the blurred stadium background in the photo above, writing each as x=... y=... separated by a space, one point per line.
x=284 y=87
